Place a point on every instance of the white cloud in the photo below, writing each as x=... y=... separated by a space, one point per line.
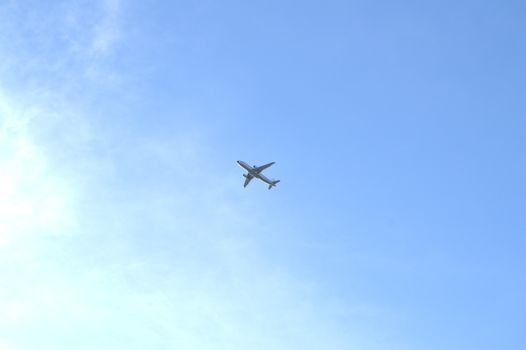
x=106 y=242
x=133 y=263
x=6 y=346
x=32 y=197
x=65 y=45
x=107 y=31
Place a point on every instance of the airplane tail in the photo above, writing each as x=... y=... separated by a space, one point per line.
x=273 y=184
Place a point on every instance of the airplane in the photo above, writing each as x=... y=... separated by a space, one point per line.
x=255 y=172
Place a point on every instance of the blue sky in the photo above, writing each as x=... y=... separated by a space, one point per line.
x=398 y=131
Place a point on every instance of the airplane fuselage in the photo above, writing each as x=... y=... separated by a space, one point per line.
x=245 y=166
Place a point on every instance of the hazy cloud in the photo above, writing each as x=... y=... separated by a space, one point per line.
x=113 y=241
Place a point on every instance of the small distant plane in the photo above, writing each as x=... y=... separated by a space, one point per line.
x=255 y=172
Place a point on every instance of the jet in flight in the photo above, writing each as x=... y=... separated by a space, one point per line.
x=255 y=172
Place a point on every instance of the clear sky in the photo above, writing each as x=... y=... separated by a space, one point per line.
x=399 y=135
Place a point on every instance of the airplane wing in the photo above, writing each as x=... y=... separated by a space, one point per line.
x=263 y=167
x=248 y=177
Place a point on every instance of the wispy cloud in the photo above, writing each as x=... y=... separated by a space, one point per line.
x=168 y=266
x=63 y=43
x=118 y=241
x=106 y=31
x=32 y=198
